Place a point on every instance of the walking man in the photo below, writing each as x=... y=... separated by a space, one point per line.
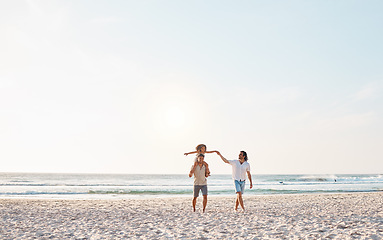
x=200 y=181
x=239 y=169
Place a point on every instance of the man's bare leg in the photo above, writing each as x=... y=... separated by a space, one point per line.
x=194 y=202
x=239 y=201
x=204 y=202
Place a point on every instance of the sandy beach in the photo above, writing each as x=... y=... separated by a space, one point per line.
x=320 y=216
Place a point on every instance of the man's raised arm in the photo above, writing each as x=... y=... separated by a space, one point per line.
x=223 y=159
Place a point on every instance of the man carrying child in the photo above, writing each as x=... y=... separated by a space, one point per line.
x=200 y=181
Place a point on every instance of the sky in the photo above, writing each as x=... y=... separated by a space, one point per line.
x=90 y=86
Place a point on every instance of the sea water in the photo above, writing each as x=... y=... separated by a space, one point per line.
x=122 y=186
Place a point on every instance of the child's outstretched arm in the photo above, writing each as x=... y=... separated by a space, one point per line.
x=189 y=153
x=211 y=151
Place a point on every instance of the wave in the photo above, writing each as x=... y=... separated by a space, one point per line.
x=140 y=192
x=185 y=192
x=67 y=185
x=306 y=179
x=31 y=193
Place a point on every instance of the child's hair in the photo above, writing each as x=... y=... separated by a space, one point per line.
x=200 y=146
x=201 y=155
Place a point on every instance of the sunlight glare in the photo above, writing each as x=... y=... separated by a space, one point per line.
x=174 y=118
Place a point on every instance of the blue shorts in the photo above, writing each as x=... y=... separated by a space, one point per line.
x=239 y=186
x=203 y=188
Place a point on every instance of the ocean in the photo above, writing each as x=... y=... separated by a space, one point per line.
x=123 y=186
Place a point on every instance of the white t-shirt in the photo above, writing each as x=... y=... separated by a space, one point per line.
x=239 y=170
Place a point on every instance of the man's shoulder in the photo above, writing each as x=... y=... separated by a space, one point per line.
x=247 y=165
x=234 y=162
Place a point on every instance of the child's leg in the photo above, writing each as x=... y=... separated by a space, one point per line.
x=207 y=170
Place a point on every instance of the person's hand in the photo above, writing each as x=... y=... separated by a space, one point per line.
x=186 y=154
x=251 y=185
x=190 y=174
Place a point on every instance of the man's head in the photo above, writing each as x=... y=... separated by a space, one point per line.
x=201 y=157
x=242 y=156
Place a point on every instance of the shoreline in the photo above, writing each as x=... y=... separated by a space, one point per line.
x=107 y=197
x=333 y=216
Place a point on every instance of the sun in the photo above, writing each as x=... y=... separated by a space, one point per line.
x=174 y=117
x=171 y=111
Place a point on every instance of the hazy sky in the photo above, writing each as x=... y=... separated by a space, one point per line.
x=129 y=86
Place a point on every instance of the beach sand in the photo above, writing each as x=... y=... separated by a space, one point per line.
x=319 y=216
